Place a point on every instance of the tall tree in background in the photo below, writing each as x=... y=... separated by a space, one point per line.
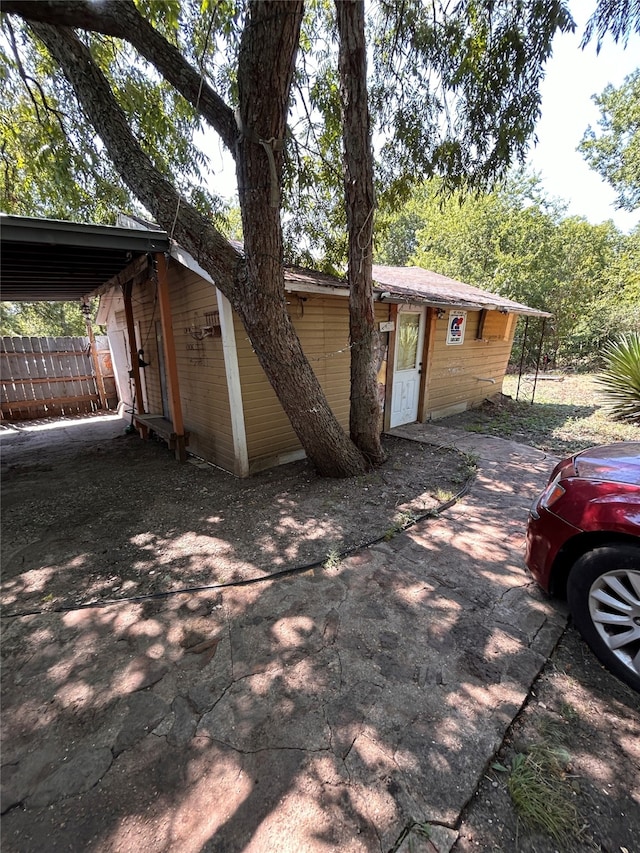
x=454 y=90
x=614 y=153
x=40 y=319
x=518 y=242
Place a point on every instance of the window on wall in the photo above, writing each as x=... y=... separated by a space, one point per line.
x=408 y=336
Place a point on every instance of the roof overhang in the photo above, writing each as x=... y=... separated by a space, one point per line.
x=425 y=287
x=398 y=296
x=52 y=260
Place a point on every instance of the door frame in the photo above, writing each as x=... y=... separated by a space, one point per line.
x=427 y=356
x=410 y=309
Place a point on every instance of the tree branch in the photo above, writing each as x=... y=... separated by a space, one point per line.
x=121 y=19
x=157 y=194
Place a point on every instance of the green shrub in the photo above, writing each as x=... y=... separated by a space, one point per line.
x=620 y=380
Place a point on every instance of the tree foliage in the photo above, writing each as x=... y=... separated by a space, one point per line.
x=457 y=87
x=619 y=18
x=52 y=161
x=614 y=153
x=39 y=319
x=454 y=93
x=620 y=379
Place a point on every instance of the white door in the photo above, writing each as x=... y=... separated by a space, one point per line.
x=120 y=360
x=407 y=365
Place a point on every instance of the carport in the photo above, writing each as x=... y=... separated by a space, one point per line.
x=45 y=260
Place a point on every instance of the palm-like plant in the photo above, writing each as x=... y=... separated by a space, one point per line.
x=620 y=380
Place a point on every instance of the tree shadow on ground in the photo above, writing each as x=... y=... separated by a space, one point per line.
x=333 y=709
x=114 y=517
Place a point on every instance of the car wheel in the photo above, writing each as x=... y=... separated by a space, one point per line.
x=603 y=591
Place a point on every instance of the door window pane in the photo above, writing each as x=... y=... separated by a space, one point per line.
x=408 y=331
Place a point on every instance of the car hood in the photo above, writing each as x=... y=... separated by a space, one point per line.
x=617 y=463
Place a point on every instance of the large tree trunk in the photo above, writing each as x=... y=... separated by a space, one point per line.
x=254 y=284
x=269 y=41
x=365 y=415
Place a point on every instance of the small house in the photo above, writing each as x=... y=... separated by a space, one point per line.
x=186 y=371
x=443 y=347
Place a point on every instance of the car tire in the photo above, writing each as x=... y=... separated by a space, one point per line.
x=603 y=592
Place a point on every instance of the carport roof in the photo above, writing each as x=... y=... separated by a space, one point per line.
x=51 y=260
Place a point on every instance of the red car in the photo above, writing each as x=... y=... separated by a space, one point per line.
x=583 y=541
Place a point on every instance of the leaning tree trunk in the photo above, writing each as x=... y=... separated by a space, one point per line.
x=270 y=41
x=365 y=414
x=254 y=285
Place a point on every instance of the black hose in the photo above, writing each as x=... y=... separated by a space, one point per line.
x=283 y=573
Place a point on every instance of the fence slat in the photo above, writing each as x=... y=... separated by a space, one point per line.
x=38 y=371
x=24 y=392
x=52 y=361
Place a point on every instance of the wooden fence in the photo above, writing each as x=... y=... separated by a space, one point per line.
x=45 y=377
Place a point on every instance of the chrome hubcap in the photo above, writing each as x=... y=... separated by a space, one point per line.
x=614 y=605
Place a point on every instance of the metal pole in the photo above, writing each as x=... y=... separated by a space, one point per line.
x=524 y=342
x=535 y=378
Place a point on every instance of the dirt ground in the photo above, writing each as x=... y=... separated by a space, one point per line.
x=591 y=721
x=124 y=521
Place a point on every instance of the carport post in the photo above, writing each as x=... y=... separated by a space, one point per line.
x=169 y=346
x=138 y=403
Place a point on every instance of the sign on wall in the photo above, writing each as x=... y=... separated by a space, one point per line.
x=456 y=327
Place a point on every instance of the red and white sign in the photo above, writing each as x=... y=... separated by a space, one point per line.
x=456 y=327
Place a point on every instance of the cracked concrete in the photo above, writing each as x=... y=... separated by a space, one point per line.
x=352 y=708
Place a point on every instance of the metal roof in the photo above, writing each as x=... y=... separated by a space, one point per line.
x=53 y=261
x=412 y=285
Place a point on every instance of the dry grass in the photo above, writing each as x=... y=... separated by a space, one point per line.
x=538 y=788
x=566 y=416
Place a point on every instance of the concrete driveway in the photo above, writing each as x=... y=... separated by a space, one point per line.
x=352 y=708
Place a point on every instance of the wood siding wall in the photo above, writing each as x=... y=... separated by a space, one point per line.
x=201 y=369
x=200 y=363
x=459 y=374
x=459 y=377
x=322 y=323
